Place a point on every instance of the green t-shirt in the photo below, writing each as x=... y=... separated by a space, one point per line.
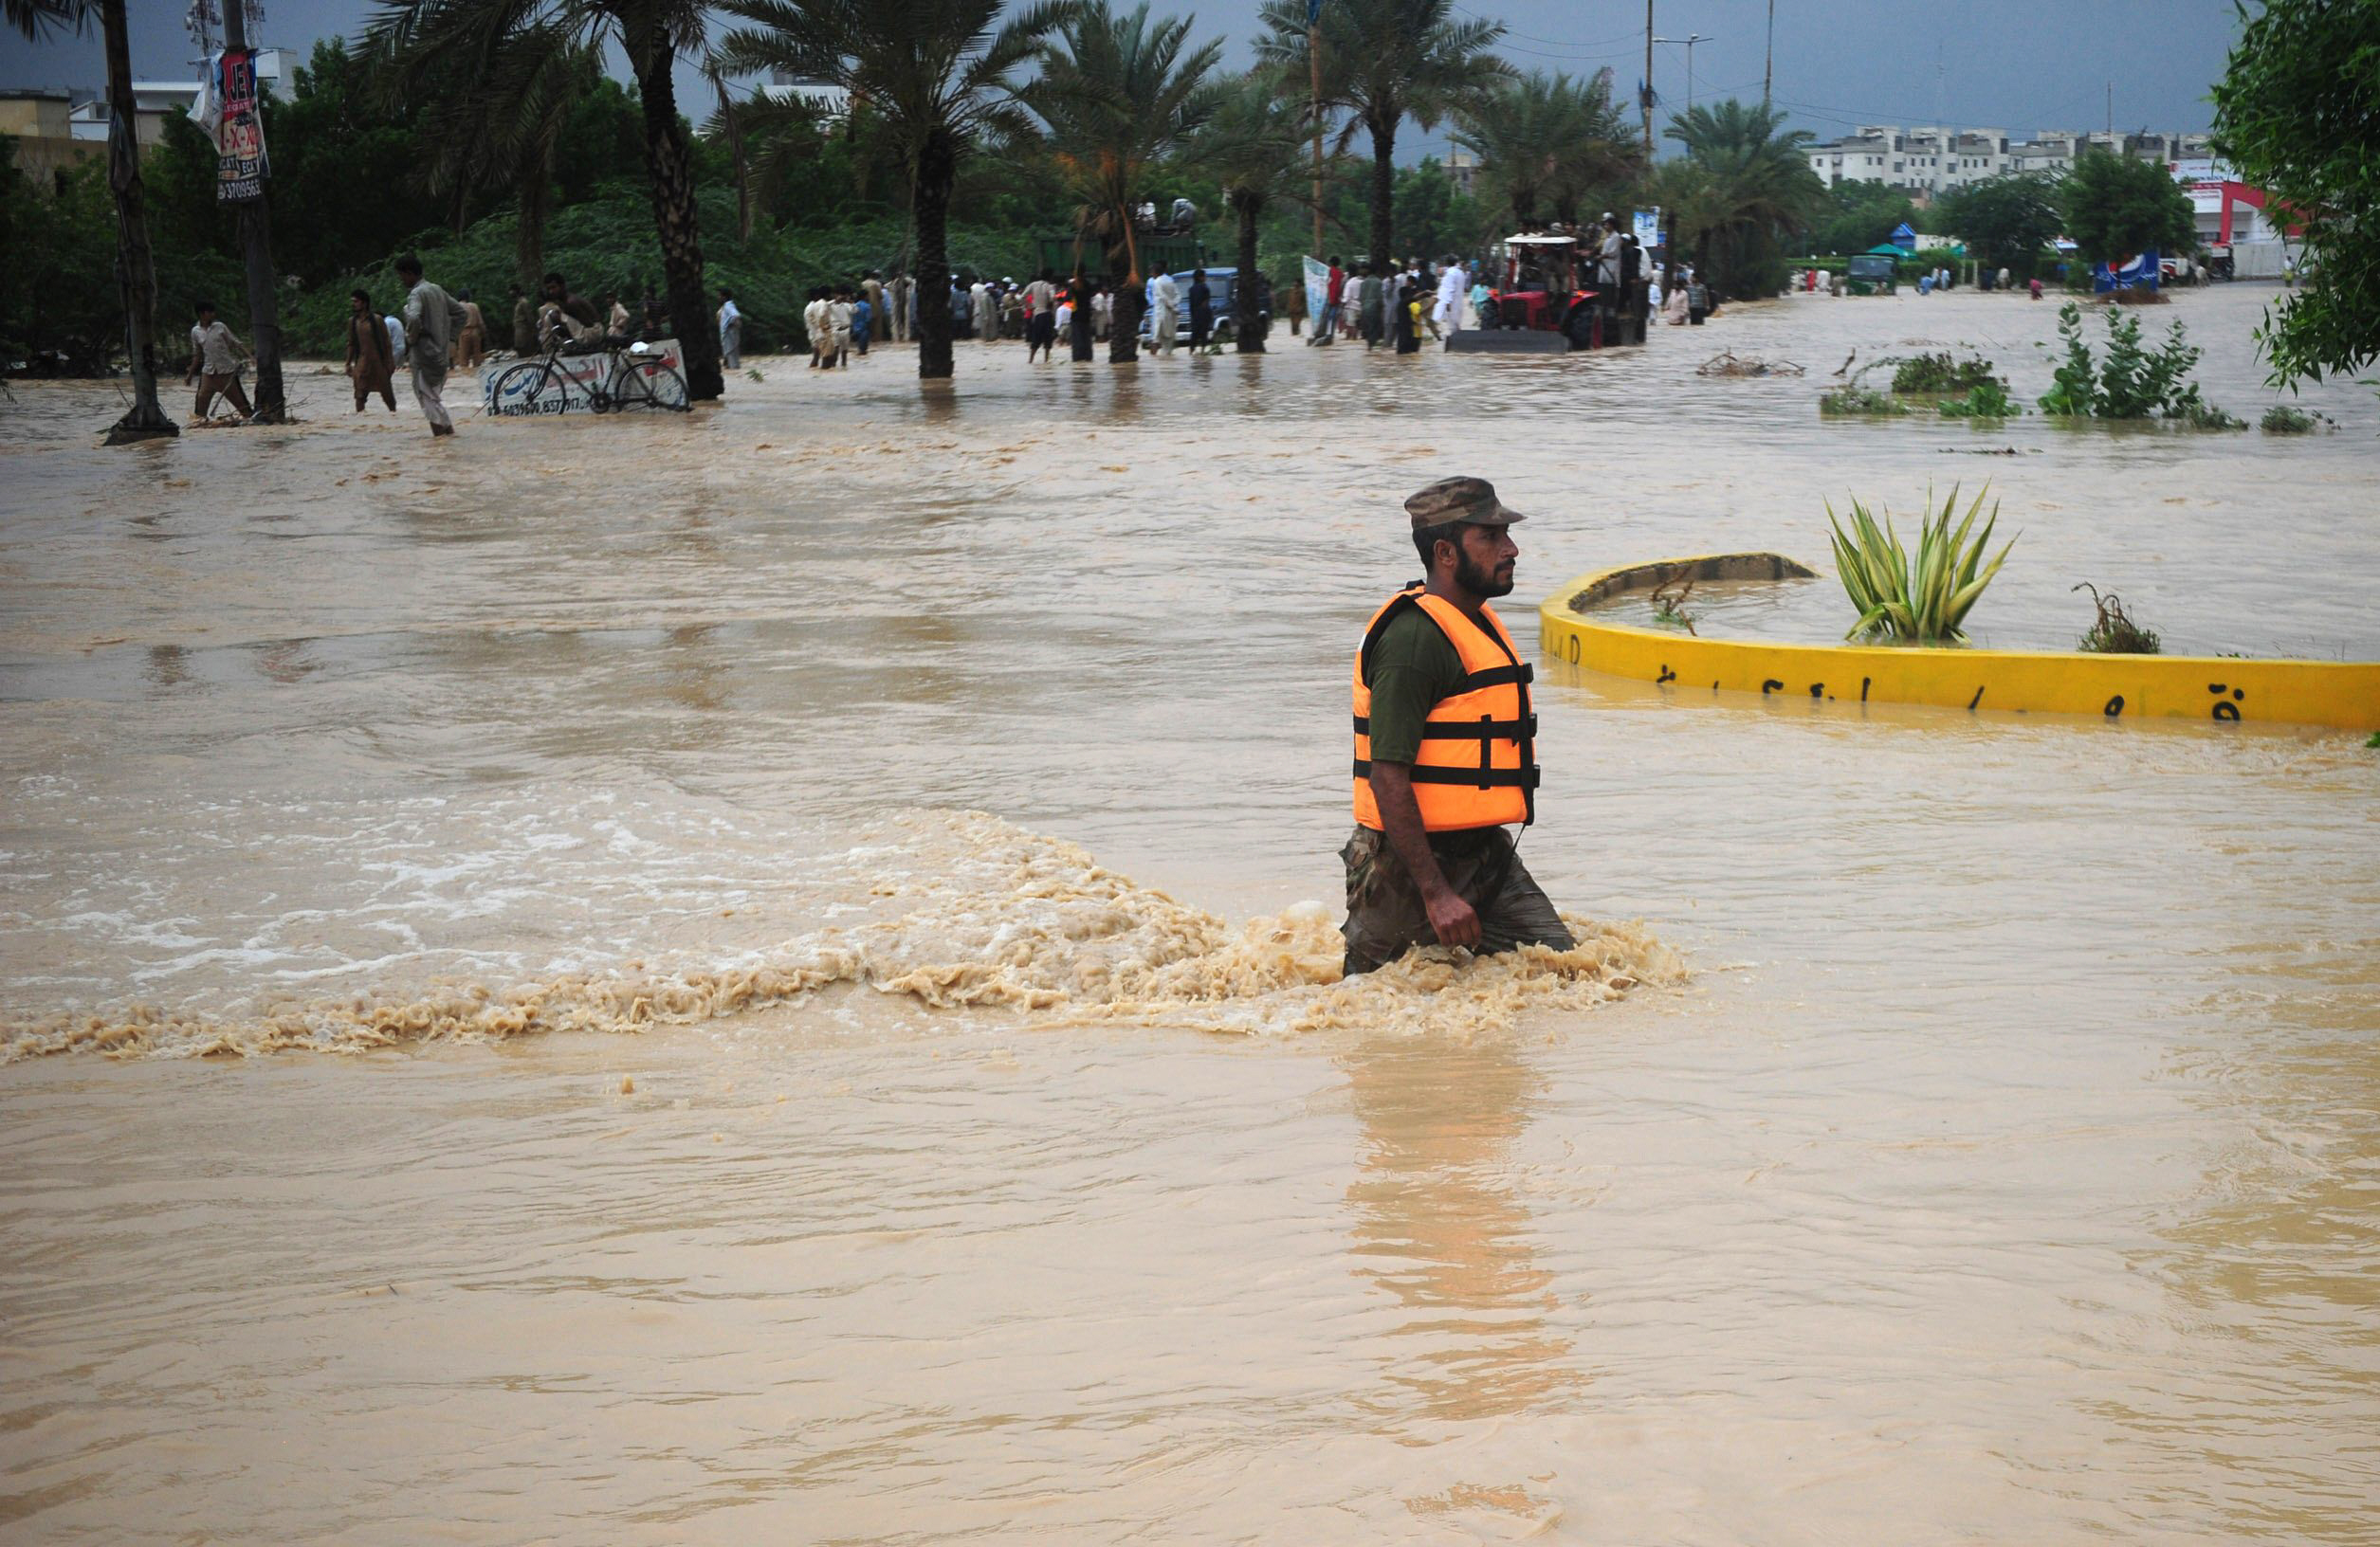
x=1413 y=665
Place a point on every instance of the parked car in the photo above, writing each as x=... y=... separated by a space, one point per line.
x=1219 y=282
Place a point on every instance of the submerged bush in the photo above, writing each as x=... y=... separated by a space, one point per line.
x=2133 y=381
x=2281 y=419
x=1920 y=598
x=1856 y=399
x=2113 y=633
x=1986 y=399
x=1929 y=376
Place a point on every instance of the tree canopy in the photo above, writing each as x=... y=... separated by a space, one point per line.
x=2297 y=113
x=2118 y=206
x=2004 y=220
x=1862 y=216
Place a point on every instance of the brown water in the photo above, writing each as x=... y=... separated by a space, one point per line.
x=1977 y=1140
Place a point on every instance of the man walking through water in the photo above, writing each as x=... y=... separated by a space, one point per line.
x=1445 y=750
x=432 y=318
x=215 y=354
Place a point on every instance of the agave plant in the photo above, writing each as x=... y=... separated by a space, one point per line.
x=1920 y=603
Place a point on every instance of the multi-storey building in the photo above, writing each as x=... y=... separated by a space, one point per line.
x=1931 y=159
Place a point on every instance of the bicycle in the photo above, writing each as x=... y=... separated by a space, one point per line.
x=634 y=379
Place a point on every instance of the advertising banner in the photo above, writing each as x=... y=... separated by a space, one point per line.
x=240 y=167
x=581 y=374
x=1648 y=227
x=1317 y=288
x=2126 y=273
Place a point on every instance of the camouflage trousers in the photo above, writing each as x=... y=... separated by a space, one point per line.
x=1386 y=916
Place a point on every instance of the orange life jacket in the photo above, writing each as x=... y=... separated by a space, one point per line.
x=1477 y=765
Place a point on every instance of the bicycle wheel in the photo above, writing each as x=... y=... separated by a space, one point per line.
x=518 y=390
x=660 y=385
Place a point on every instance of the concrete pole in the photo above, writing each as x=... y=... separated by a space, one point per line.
x=256 y=248
x=1645 y=96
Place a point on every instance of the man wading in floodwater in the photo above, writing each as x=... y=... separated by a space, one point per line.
x=1445 y=750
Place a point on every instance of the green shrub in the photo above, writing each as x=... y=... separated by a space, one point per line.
x=2133 y=381
x=1929 y=375
x=2281 y=419
x=1987 y=399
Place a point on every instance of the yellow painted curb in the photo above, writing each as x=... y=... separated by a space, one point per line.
x=2341 y=694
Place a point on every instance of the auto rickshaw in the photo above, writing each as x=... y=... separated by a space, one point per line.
x=1872 y=273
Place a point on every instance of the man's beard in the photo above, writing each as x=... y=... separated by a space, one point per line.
x=1479 y=582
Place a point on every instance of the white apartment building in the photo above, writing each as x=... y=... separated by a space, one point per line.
x=1931 y=159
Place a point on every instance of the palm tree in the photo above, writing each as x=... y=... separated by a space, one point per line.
x=1545 y=144
x=1254 y=148
x=1118 y=93
x=1385 y=61
x=479 y=39
x=1741 y=187
x=135 y=271
x=934 y=76
x=499 y=125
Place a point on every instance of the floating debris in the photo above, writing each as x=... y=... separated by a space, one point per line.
x=1728 y=363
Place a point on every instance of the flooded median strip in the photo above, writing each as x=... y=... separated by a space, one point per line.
x=2343 y=695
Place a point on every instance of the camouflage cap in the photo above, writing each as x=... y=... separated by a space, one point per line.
x=1470 y=499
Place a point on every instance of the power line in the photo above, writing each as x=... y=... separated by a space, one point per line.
x=1559 y=42
x=1540 y=53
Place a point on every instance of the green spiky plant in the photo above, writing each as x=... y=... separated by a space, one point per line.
x=1924 y=601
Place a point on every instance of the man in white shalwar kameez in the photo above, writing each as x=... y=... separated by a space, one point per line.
x=1450 y=295
x=1164 y=301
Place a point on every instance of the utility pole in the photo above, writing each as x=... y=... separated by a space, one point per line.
x=1644 y=90
x=2111 y=114
x=256 y=246
x=1769 y=61
x=1688 y=40
x=1314 y=58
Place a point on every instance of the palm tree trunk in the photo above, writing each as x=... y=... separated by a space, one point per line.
x=929 y=212
x=1246 y=339
x=1124 y=323
x=1384 y=189
x=135 y=272
x=668 y=160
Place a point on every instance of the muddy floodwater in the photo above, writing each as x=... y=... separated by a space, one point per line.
x=771 y=975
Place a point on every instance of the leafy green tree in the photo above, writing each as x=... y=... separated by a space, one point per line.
x=1547 y=142
x=1118 y=92
x=1743 y=185
x=346 y=169
x=1434 y=217
x=2118 y=206
x=602 y=140
x=934 y=76
x=1863 y=215
x=502 y=124
x=473 y=36
x=1253 y=147
x=2298 y=113
x=1385 y=61
x=2004 y=220
x=135 y=271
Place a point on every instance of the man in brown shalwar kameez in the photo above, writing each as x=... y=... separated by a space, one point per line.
x=370 y=364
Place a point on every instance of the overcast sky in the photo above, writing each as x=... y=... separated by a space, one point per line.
x=2018 y=65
